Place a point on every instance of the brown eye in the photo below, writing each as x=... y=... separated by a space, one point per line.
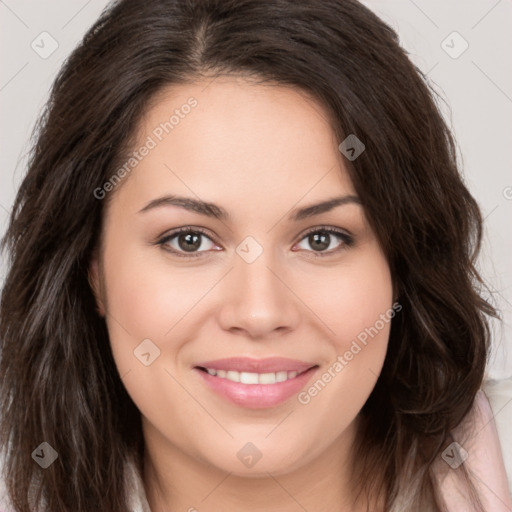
x=321 y=239
x=186 y=242
x=189 y=242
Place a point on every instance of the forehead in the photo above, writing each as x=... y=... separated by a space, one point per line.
x=229 y=137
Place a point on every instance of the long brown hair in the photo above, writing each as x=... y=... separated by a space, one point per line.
x=59 y=383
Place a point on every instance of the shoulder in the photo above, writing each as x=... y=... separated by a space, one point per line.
x=499 y=395
x=477 y=445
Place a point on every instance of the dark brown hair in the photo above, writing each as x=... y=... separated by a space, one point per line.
x=59 y=383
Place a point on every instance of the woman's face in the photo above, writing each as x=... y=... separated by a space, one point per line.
x=253 y=285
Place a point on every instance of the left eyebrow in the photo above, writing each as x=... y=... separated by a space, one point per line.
x=324 y=206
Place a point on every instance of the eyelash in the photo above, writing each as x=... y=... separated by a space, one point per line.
x=348 y=241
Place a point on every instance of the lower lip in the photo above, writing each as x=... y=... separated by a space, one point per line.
x=257 y=396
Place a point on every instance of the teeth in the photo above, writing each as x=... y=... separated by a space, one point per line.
x=269 y=378
x=244 y=377
x=253 y=378
x=281 y=376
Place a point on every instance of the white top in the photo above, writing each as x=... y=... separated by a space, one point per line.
x=482 y=456
x=484 y=460
x=138 y=501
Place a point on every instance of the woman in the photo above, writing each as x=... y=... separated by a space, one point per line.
x=243 y=274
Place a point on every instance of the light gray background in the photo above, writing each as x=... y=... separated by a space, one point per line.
x=477 y=86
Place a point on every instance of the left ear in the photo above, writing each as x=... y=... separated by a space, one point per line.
x=396 y=290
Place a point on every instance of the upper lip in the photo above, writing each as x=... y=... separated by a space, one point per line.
x=246 y=364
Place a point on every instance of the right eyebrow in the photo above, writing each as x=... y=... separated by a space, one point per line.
x=188 y=203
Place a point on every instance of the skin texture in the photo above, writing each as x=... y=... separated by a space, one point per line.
x=258 y=151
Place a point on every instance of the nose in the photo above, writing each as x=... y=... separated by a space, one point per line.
x=258 y=299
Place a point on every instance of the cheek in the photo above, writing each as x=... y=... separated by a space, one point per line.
x=359 y=309
x=354 y=299
x=147 y=299
x=144 y=302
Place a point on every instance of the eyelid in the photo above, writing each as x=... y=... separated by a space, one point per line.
x=325 y=228
x=348 y=239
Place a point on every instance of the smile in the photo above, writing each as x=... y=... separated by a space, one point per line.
x=255 y=390
x=253 y=378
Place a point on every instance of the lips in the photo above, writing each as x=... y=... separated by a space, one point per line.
x=234 y=379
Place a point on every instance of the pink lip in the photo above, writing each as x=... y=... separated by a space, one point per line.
x=269 y=365
x=257 y=396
